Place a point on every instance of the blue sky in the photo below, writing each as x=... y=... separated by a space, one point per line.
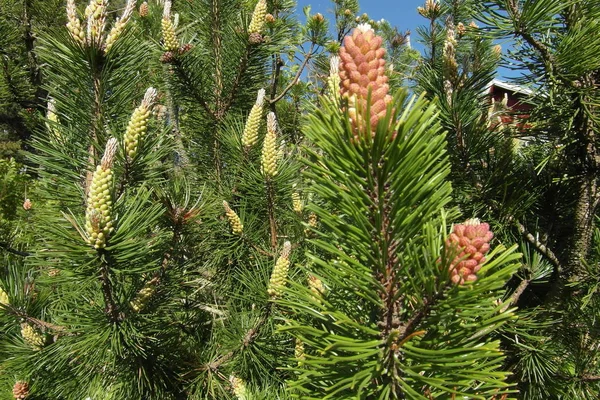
x=400 y=13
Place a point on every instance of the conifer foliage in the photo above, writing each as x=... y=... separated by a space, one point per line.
x=204 y=223
x=389 y=320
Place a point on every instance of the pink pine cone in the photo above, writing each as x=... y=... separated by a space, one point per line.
x=470 y=243
x=362 y=69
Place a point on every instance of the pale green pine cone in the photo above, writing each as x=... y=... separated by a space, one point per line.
x=143 y=296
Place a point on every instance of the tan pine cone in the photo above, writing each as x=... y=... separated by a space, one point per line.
x=256 y=38
x=167 y=57
x=144 y=10
x=20 y=390
x=185 y=48
x=27 y=205
x=468 y=243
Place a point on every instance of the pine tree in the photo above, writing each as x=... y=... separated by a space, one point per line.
x=158 y=242
x=555 y=353
x=391 y=308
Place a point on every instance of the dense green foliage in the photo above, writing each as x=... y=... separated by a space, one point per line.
x=193 y=207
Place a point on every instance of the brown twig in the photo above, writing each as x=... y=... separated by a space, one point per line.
x=246 y=341
x=35 y=321
x=514 y=298
x=307 y=56
x=236 y=83
x=110 y=307
x=9 y=249
x=271 y=212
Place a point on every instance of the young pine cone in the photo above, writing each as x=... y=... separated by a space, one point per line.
x=167 y=57
x=362 y=73
x=144 y=10
x=469 y=242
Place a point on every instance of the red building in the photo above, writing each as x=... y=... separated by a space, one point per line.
x=510 y=101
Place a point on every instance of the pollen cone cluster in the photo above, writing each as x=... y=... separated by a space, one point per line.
x=431 y=10
x=3 y=297
x=52 y=121
x=316 y=286
x=469 y=242
x=250 y=135
x=138 y=124
x=96 y=14
x=170 y=41
x=297 y=203
x=32 y=337
x=280 y=272
x=333 y=81
x=312 y=223
x=234 y=221
x=143 y=296
x=73 y=24
x=98 y=218
x=268 y=162
x=120 y=23
x=299 y=351
x=362 y=72
x=258 y=17
x=449 y=54
x=239 y=387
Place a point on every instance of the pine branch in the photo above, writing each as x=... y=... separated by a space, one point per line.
x=249 y=337
x=35 y=321
x=11 y=250
x=236 y=83
x=255 y=247
x=96 y=126
x=271 y=212
x=543 y=249
x=110 y=309
x=184 y=76
x=409 y=328
x=217 y=47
